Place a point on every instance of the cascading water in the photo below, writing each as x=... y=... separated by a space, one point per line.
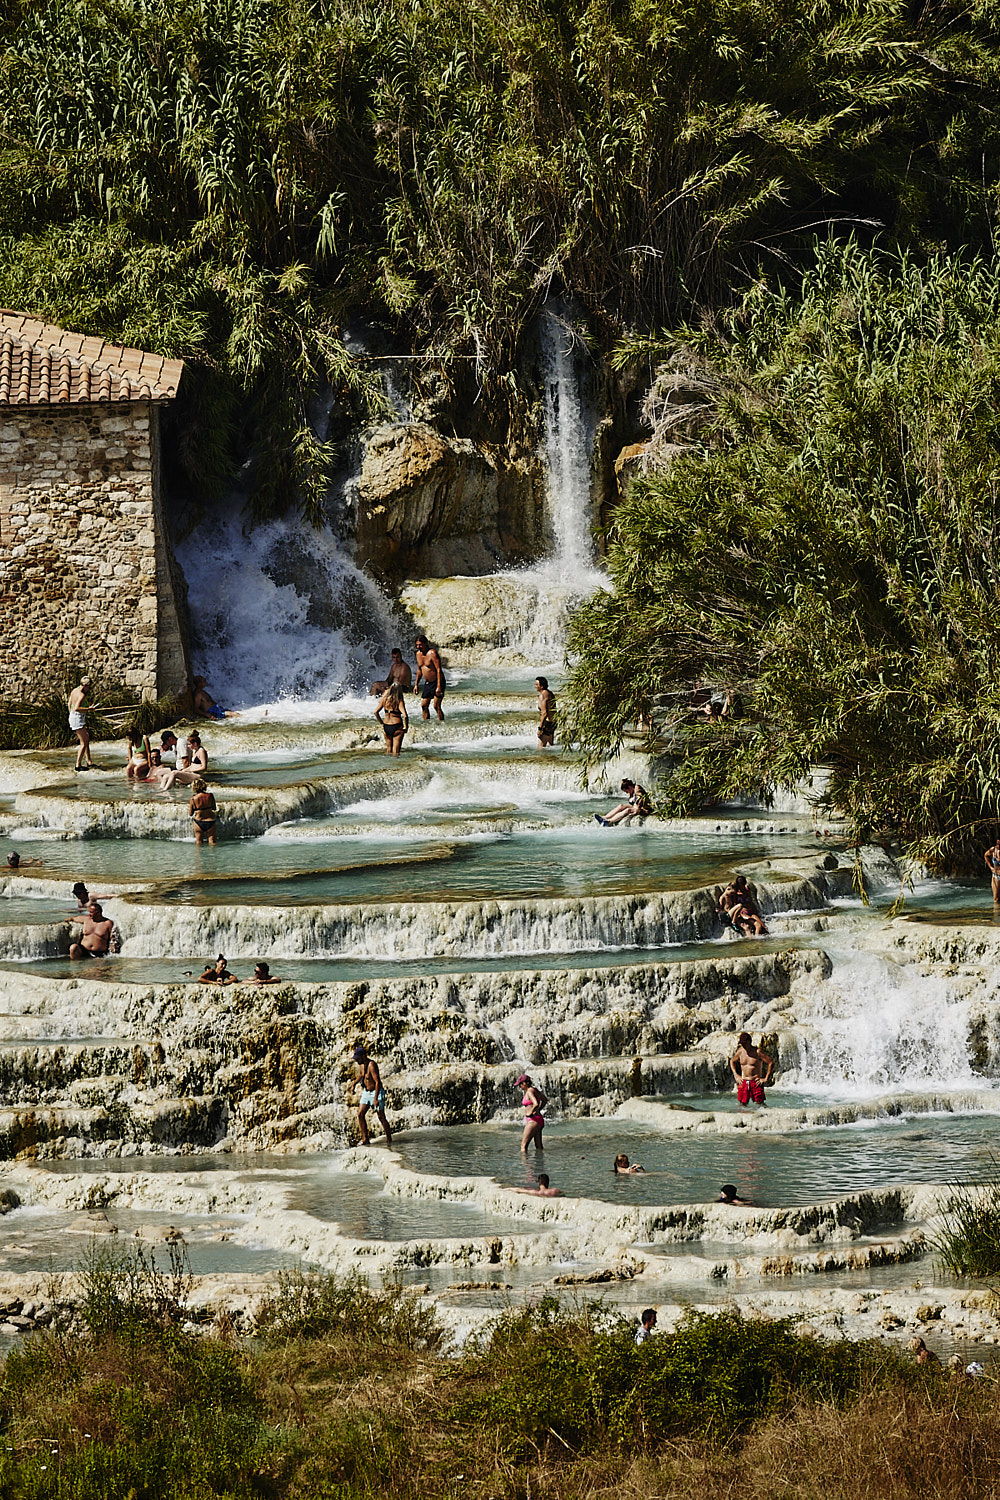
x=278 y=611
x=878 y=1028
x=550 y=591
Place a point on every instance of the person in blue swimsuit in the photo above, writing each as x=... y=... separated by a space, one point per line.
x=372 y=1094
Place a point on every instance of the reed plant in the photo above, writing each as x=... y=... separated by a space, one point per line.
x=968 y=1241
x=44 y=725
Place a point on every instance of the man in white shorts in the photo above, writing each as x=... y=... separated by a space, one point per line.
x=77 y=705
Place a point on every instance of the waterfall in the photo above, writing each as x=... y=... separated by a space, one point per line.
x=878 y=1027
x=567 y=453
x=278 y=611
x=550 y=591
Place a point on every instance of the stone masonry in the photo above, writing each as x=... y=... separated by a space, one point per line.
x=86 y=574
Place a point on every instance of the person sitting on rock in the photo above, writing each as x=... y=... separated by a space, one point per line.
x=96 y=939
x=217 y=973
x=638 y=805
x=206 y=705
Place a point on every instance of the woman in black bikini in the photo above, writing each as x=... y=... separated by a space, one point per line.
x=202 y=811
x=396 y=722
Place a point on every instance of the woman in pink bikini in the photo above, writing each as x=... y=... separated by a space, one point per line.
x=534 y=1102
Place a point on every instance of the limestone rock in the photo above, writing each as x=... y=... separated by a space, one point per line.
x=430 y=505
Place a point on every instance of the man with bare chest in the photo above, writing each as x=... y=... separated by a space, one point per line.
x=430 y=677
x=752 y=1068
x=95 y=940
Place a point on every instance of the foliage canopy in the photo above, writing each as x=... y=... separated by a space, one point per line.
x=827 y=549
x=232 y=181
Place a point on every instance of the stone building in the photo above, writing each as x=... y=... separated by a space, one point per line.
x=87 y=578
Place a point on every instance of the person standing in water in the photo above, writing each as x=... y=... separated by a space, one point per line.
x=430 y=677
x=372 y=1094
x=77 y=706
x=992 y=858
x=533 y=1103
x=752 y=1068
x=546 y=713
x=202 y=811
x=396 y=722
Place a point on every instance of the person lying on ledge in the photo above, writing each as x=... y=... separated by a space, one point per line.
x=541 y=1191
x=217 y=973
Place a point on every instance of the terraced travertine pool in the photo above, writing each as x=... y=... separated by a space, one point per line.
x=361 y=881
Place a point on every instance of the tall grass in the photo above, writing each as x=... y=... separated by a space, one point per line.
x=44 y=725
x=969 y=1240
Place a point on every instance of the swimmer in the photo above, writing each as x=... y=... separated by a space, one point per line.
x=396 y=722
x=372 y=1094
x=201 y=811
x=217 y=973
x=638 y=806
x=622 y=1168
x=95 y=940
x=546 y=713
x=752 y=1068
x=15 y=862
x=262 y=974
x=541 y=1191
x=727 y=1194
x=533 y=1103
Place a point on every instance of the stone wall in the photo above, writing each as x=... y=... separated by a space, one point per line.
x=86 y=581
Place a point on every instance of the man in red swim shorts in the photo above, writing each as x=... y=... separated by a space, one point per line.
x=752 y=1068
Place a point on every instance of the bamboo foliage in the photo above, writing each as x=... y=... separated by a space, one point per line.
x=232 y=180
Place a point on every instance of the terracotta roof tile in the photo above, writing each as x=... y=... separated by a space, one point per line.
x=42 y=365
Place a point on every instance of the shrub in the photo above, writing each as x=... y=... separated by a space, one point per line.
x=544 y=1374
x=321 y=1305
x=969 y=1239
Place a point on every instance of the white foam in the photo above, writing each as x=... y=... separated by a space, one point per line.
x=280 y=614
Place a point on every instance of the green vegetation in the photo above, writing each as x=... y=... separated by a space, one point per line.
x=231 y=181
x=826 y=549
x=969 y=1240
x=347 y=1394
x=45 y=725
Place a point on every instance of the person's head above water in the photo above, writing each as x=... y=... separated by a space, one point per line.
x=727 y=1192
x=543 y=1179
x=220 y=963
x=621 y=1161
x=262 y=970
x=81 y=893
x=13 y=859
